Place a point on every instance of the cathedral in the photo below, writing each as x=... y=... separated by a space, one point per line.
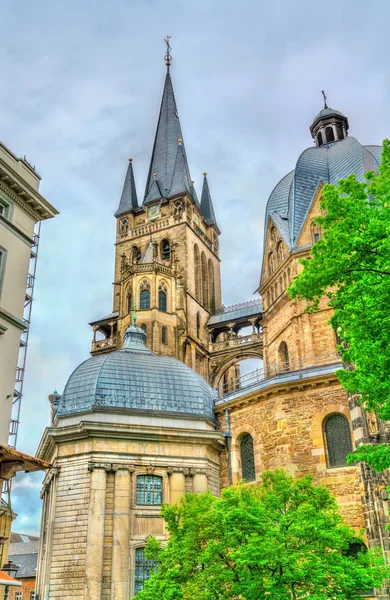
x=160 y=408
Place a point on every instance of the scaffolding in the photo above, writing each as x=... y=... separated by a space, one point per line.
x=21 y=366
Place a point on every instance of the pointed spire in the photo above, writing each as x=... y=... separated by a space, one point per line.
x=194 y=194
x=180 y=180
x=206 y=204
x=165 y=151
x=128 y=201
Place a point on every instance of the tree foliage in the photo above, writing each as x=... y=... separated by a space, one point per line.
x=281 y=539
x=350 y=266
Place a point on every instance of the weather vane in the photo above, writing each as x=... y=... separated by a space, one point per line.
x=325 y=104
x=168 y=55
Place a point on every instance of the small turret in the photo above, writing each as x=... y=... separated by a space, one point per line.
x=128 y=202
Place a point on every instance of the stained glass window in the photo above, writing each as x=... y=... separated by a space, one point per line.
x=247 y=458
x=338 y=440
x=143 y=569
x=162 y=301
x=145 y=300
x=149 y=489
x=163 y=334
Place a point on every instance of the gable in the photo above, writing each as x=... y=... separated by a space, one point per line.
x=306 y=234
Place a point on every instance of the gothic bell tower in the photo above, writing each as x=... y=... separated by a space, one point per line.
x=166 y=253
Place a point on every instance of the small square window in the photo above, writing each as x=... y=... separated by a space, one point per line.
x=5 y=208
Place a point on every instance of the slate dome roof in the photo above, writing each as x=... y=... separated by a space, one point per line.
x=291 y=199
x=135 y=378
x=328 y=112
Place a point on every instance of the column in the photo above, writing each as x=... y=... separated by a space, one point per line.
x=121 y=535
x=334 y=131
x=177 y=485
x=95 y=537
x=199 y=483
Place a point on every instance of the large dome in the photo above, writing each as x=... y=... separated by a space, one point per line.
x=135 y=378
x=291 y=198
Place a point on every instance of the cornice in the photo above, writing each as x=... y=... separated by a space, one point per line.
x=19 y=323
x=21 y=203
x=88 y=430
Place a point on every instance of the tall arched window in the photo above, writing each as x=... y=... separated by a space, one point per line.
x=211 y=286
x=136 y=254
x=165 y=250
x=338 y=440
x=144 y=328
x=129 y=302
x=198 y=276
x=279 y=252
x=205 y=280
x=163 y=334
x=144 y=298
x=144 y=568
x=284 y=359
x=339 y=132
x=162 y=297
x=329 y=134
x=197 y=325
x=247 y=458
x=270 y=263
x=149 y=490
x=319 y=138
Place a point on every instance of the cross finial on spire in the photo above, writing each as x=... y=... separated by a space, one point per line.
x=325 y=104
x=134 y=317
x=168 y=55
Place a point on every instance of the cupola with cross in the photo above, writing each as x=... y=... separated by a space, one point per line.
x=329 y=125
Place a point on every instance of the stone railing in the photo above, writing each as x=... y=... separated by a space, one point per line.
x=232 y=307
x=107 y=343
x=236 y=342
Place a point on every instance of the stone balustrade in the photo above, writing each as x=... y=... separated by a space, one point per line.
x=236 y=342
x=104 y=344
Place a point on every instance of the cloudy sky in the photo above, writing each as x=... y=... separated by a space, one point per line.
x=81 y=84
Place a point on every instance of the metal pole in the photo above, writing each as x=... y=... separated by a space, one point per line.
x=6 y=591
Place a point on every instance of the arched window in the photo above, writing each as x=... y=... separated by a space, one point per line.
x=163 y=334
x=329 y=134
x=129 y=303
x=211 y=286
x=279 y=252
x=339 y=132
x=319 y=138
x=144 y=299
x=162 y=297
x=165 y=250
x=247 y=458
x=284 y=359
x=270 y=263
x=144 y=328
x=198 y=277
x=338 y=440
x=205 y=281
x=162 y=301
x=197 y=325
x=144 y=568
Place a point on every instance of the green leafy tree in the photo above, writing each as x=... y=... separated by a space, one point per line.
x=281 y=539
x=350 y=267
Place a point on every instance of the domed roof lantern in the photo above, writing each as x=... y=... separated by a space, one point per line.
x=329 y=125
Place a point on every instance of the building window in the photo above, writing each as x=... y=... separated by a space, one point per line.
x=329 y=134
x=129 y=305
x=143 y=327
x=247 y=458
x=284 y=358
x=18 y=596
x=197 y=325
x=5 y=208
x=163 y=334
x=319 y=138
x=165 y=250
x=144 y=298
x=149 y=490
x=32 y=596
x=162 y=300
x=205 y=281
x=143 y=569
x=338 y=440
